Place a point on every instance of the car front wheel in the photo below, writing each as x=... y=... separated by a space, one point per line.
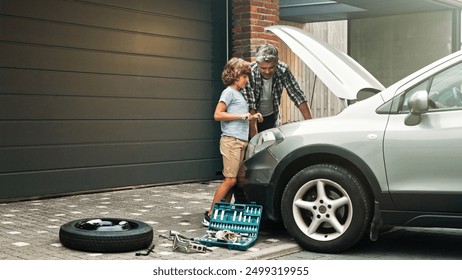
x=326 y=208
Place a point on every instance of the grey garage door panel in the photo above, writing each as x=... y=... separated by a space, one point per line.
x=38 y=133
x=109 y=17
x=24 y=107
x=42 y=184
x=195 y=9
x=26 y=159
x=59 y=59
x=23 y=81
x=97 y=94
x=82 y=37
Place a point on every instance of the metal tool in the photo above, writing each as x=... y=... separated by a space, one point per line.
x=148 y=251
x=184 y=243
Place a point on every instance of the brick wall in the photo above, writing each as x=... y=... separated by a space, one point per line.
x=250 y=17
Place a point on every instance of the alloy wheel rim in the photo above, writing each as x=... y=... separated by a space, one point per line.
x=322 y=210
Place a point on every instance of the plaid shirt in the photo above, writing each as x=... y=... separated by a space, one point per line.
x=282 y=78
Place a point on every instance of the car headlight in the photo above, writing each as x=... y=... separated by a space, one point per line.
x=263 y=140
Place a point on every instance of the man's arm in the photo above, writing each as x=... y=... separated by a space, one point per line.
x=305 y=110
x=296 y=94
x=250 y=97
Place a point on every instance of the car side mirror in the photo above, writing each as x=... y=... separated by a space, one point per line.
x=418 y=105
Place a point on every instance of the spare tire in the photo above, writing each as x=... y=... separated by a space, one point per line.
x=106 y=235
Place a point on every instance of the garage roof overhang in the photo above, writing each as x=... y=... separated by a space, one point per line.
x=326 y=10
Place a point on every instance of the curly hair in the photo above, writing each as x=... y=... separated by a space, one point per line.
x=235 y=68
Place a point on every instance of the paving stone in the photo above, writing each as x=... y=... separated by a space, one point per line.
x=29 y=230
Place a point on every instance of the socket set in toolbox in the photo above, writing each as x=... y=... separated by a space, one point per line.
x=234 y=226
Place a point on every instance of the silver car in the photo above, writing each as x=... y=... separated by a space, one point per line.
x=392 y=159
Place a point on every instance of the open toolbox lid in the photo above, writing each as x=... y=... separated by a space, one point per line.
x=240 y=220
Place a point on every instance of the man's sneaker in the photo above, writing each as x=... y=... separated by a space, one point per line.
x=206 y=220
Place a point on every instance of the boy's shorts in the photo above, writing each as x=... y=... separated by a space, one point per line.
x=232 y=150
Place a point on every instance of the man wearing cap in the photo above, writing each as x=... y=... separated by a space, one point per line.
x=269 y=77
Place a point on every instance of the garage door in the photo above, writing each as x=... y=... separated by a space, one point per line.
x=101 y=94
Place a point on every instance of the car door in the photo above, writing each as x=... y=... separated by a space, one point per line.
x=423 y=162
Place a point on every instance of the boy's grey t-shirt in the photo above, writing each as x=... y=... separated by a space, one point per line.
x=235 y=104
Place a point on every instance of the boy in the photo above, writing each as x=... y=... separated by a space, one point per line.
x=233 y=112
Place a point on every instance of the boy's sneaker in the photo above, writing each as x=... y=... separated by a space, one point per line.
x=206 y=220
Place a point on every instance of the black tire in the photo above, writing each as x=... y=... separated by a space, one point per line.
x=78 y=235
x=332 y=221
x=239 y=195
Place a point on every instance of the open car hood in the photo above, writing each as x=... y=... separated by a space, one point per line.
x=339 y=72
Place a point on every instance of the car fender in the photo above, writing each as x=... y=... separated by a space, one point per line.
x=321 y=153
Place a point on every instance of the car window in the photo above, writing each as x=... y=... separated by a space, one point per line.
x=445 y=90
x=403 y=104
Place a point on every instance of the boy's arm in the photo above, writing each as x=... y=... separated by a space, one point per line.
x=221 y=114
x=253 y=125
